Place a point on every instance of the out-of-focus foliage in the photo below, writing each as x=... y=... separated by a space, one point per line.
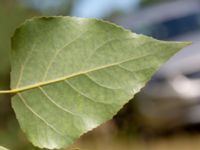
x=3 y=148
x=50 y=7
x=149 y=2
x=11 y=16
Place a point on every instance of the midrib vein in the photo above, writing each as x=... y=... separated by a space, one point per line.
x=40 y=84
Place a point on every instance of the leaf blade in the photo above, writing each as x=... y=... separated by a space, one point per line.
x=70 y=83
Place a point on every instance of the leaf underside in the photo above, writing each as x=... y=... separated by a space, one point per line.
x=73 y=74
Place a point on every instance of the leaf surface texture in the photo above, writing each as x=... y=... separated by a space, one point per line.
x=73 y=74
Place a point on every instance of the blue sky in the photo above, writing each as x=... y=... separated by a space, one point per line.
x=102 y=8
x=85 y=8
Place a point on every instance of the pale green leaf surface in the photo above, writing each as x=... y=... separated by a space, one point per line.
x=70 y=75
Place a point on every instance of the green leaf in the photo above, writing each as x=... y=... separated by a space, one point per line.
x=70 y=75
x=3 y=148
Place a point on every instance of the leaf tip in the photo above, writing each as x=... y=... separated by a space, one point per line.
x=184 y=44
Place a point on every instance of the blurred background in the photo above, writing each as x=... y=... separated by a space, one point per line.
x=165 y=114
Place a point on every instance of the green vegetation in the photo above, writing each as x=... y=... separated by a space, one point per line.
x=69 y=75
